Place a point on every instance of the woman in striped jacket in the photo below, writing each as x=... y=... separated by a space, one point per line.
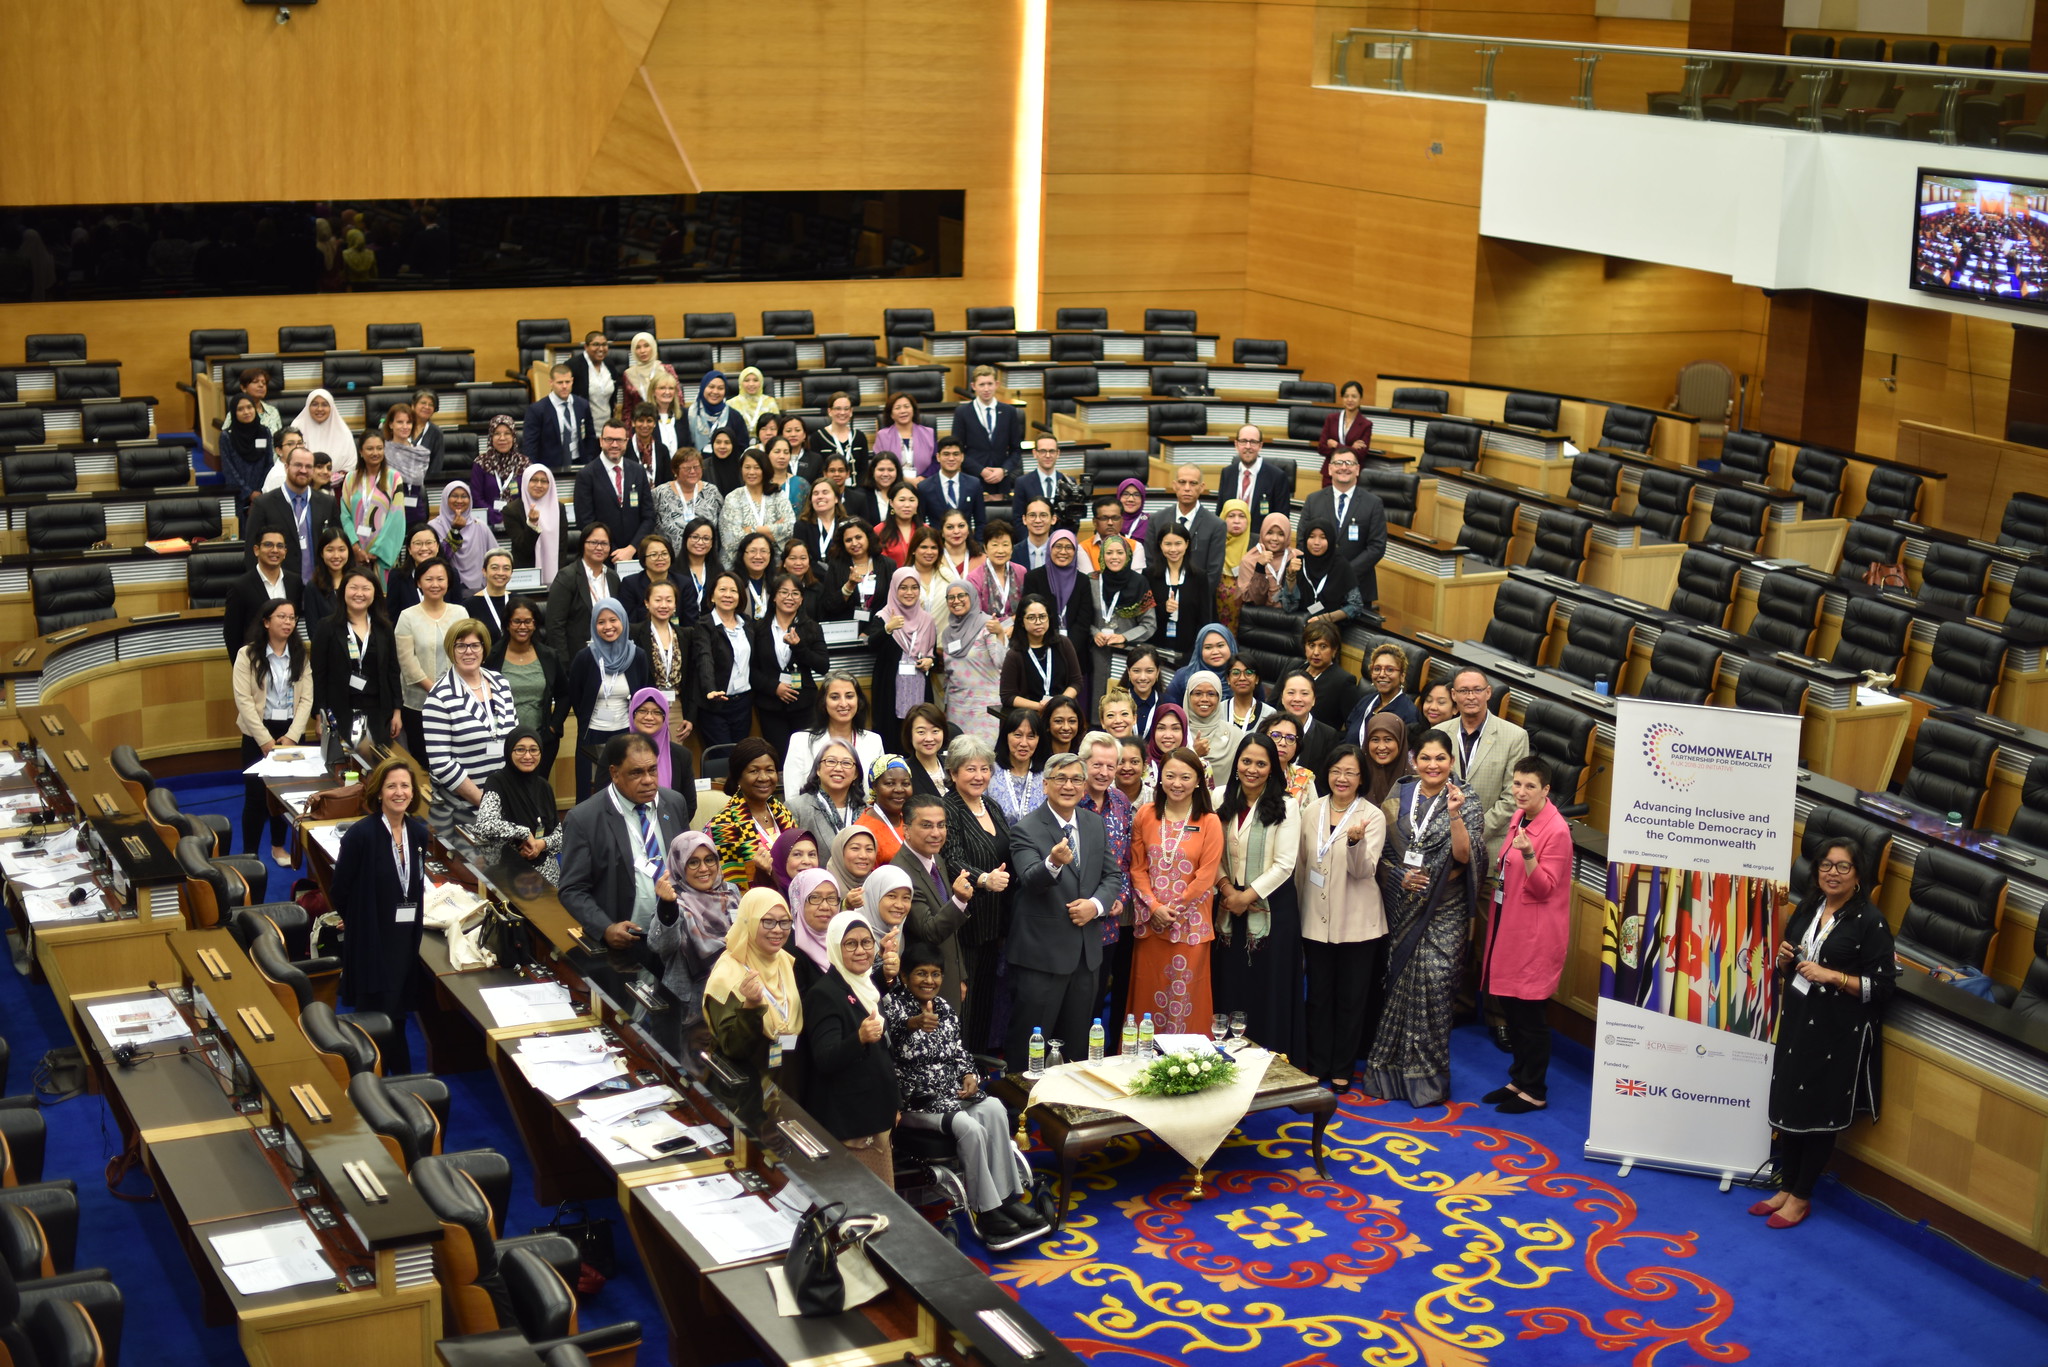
x=467 y=715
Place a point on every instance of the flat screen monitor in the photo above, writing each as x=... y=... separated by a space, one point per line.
x=1981 y=238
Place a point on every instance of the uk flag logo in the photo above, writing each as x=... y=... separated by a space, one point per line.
x=1628 y=1086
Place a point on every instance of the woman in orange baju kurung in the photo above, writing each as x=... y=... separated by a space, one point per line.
x=1176 y=851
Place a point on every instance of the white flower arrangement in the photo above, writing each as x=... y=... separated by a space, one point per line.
x=1184 y=1074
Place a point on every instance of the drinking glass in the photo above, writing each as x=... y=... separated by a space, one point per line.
x=1053 y=1057
x=1238 y=1025
x=1219 y=1028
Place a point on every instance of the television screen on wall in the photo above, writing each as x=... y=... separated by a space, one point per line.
x=1981 y=238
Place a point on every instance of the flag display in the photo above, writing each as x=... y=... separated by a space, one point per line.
x=1691 y=944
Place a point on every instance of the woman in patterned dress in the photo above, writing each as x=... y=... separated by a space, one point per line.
x=1176 y=852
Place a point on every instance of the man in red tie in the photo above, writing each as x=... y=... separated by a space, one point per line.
x=1264 y=488
x=615 y=491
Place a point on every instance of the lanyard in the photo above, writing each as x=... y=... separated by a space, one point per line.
x=1468 y=741
x=665 y=654
x=1172 y=851
x=356 y=644
x=400 y=858
x=1415 y=827
x=758 y=598
x=1330 y=836
x=1044 y=670
x=1110 y=610
x=1317 y=588
x=1816 y=935
x=1000 y=597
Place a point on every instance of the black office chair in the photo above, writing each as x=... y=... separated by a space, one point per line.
x=304 y=338
x=307 y=976
x=619 y=328
x=136 y=778
x=1562 y=737
x=1522 y=617
x=353 y=375
x=1873 y=636
x=393 y=337
x=55 y=528
x=787 y=323
x=1747 y=455
x=1539 y=411
x=816 y=391
x=1966 y=667
x=770 y=355
x=1767 y=688
x=2030 y=819
x=1304 y=424
x=689 y=359
x=1817 y=479
x=1628 y=429
x=1258 y=351
x=39 y=472
x=1954 y=576
x=1563 y=540
x=850 y=353
x=21 y=427
x=1737 y=520
x=1950 y=771
x=992 y=318
x=203 y=344
x=82 y=382
x=211 y=572
x=1169 y=320
x=124 y=421
x=1418 y=400
x=1064 y=384
x=153 y=467
x=1176 y=420
x=1892 y=492
x=1596 y=480
x=1787 y=611
x=68 y=1320
x=711 y=325
x=1683 y=668
x=53 y=346
x=1866 y=544
x=1076 y=348
x=1182 y=382
x=1706 y=587
x=460 y=1190
x=1596 y=644
x=1489 y=526
x=545 y=1308
x=1664 y=503
x=900 y=328
x=1824 y=822
x=2025 y=524
x=1080 y=319
x=1397 y=490
x=1172 y=349
x=411 y=1119
x=71 y=596
x=1308 y=391
x=535 y=337
x=928 y=387
x=443 y=369
x=2026 y=614
x=38 y=1222
x=1953 y=910
x=992 y=349
x=1452 y=446
x=194 y=519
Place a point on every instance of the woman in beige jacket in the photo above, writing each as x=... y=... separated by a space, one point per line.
x=273 y=686
x=1343 y=924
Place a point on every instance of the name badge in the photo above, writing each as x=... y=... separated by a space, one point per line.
x=632 y=498
x=365 y=532
x=645 y=868
x=906 y=667
x=863 y=615
x=1352 y=528
x=792 y=678
x=867 y=584
x=955 y=647
x=262 y=442
x=1801 y=985
x=1315 y=878
x=407 y=913
x=358 y=682
x=1316 y=608
x=1412 y=858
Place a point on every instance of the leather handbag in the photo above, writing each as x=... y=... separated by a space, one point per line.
x=336 y=804
x=827 y=1247
x=501 y=936
x=594 y=1242
x=1883 y=576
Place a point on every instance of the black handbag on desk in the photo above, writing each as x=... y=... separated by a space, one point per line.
x=813 y=1264
x=594 y=1244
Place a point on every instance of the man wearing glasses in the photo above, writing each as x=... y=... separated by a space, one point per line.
x=615 y=491
x=1066 y=880
x=938 y=898
x=615 y=844
x=1264 y=488
x=1484 y=752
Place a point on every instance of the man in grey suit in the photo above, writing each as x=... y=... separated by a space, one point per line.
x=1484 y=749
x=615 y=872
x=1360 y=519
x=1066 y=880
x=1205 y=530
x=938 y=901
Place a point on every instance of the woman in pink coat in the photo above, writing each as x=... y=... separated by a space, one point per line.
x=1531 y=930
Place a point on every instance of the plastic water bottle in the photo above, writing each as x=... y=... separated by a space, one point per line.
x=1036 y=1065
x=1128 y=1046
x=1096 y=1039
x=1601 y=686
x=1146 y=1050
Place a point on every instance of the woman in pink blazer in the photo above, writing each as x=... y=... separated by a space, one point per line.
x=1347 y=427
x=1531 y=931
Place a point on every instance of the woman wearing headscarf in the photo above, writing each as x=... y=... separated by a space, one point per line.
x=709 y=413
x=974 y=664
x=794 y=852
x=1386 y=756
x=889 y=788
x=855 y=855
x=1210 y=734
x=643 y=364
x=1062 y=582
x=905 y=655
x=358 y=258
x=676 y=770
x=519 y=808
x=814 y=899
x=1325 y=590
x=533 y=523
x=852 y=1078
x=494 y=474
x=1215 y=647
x=246 y=451
x=601 y=683
x=466 y=539
x=1123 y=612
x=1269 y=569
x=753 y=402
x=320 y=423
x=1137 y=524
x=1237 y=540
x=751 y=996
x=887 y=895
x=687 y=935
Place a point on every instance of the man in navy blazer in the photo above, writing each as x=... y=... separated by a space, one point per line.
x=991 y=433
x=950 y=487
x=612 y=882
x=1065 y=880
x=1265 y=487
x=558 y=431
x=615 y=491
x=1360 y=519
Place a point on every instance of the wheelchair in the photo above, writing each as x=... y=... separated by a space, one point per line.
x=927 y=1174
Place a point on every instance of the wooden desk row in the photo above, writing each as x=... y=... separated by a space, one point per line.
x=1675 y=436
x=64 y=421
x=36 y=381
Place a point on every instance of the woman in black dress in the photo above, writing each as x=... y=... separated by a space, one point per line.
x=1182 y=597
x=978 y=840
x=851 y=1076
x=1255 y=963
x=1835 y=970
x=380 y=882
x=1041 y=664
x=789 y=657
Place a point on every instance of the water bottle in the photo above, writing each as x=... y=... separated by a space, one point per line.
x=1146 y=1049
x=1600 y=685
x=1096 y=1038
x=1036 y=1065
x=1128 y=1046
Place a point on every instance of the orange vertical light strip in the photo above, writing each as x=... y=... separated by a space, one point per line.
x=1028 y=160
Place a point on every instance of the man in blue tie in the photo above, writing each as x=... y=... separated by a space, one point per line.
x=615 y=843
x=950 y=487
x=297 y=509
x=1066 y=880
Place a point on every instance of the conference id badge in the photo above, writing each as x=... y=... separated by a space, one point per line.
x=792 y=678
x=1801 y=985
x=906 y=668
x=1316 y=878
x=867 y=584
x=358 y=683
x=632 y=498
x=407 y=913
x=787 y=1042
x=262 y=443
x=1412 y=858
x=863 y=615
x=1352 y=529
x=1315 y=609
x=955 y=647
x=645 y=867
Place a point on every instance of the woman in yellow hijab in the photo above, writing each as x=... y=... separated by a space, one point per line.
x=751 y=997
x=1237 y=539
x=753 y=399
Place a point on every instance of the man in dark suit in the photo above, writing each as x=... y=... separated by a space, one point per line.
x=1066 y=882
x=991 y=433
x=1206 y=532
x=558 y=432
x=598 y=378
x=573 y=595
x=1264 y=487
x=615 y=491
x=303 y=513
x=269 y=579
x=1043 y=480
x=615 y=872
x=938 y=896
x=1360 y=519
x=950 y=487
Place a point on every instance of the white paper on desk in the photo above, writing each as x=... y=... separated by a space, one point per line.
x=734 y=1231
x=528 y=1004
x=284 y=763
x=48 y=907
x=561 y=1076
x=1184 y=1044
x=11 y=764
x=275 y=1274
x=1866 y=696
x=14 y=857
x=157 y=1018
x=610 y=1110
x=328 y=838
x=18 y=802
x=296 y=802
x=272 y=1258
x=635 y=1139
x=63 y=873
x=692 y=1192
x=581 y=1047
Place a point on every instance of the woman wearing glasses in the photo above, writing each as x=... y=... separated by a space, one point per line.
x=466 y=717
x=751 y=997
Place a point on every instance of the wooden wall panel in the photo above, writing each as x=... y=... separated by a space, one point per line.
x=1145 y=86
x=1951 y=372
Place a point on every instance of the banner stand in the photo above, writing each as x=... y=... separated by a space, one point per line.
x=1629 y=1160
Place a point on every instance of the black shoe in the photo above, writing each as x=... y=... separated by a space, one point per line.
x=1500 y=1039
x=1023 y=1215
x=995 y=1225
x=1498 y=1095
x=1520 y=1105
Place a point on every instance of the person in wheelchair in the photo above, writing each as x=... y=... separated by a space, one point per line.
x=941 y=1091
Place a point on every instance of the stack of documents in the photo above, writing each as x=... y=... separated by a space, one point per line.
x=273 y=1257
x=328 y=838
x=15 y=856
x=53 y=905
x=12 y=764
x=284 y=763
x=528 y=1004
x=27 y=800
x=732 y=1224
x=563 y=1065
x=139 y=1020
